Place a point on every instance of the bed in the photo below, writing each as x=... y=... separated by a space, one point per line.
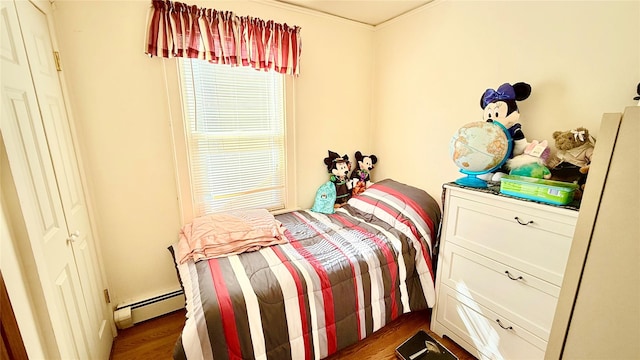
x=337 y=279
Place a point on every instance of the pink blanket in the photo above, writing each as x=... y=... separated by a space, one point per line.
x=228 y=233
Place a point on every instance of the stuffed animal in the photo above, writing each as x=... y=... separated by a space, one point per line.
x=325 y=199
x=339 y=166
x=574 y=149
x=531 y=163
x=361 y=175
x=501 y=105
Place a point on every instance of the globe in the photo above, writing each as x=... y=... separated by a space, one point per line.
x=479 y=148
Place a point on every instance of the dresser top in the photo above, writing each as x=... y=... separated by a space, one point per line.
x=494 y=189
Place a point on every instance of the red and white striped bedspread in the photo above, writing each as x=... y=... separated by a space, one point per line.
x=340 y=278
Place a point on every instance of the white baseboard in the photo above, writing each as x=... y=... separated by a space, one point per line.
x=129 y=314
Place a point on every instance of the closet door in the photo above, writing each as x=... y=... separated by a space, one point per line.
x=44 y=193
x=37 y=40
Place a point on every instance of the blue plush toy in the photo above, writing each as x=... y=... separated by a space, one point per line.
x=325 y=199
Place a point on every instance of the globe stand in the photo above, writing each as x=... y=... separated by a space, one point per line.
x=471 y=180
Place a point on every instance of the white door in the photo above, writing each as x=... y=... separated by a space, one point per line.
x=41 y=197
x=37 y=39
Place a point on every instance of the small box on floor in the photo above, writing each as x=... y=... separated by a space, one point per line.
x=421 y=346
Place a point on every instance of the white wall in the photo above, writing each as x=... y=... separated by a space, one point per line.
x=120 y=108
x=582 y=58
x=399 y=92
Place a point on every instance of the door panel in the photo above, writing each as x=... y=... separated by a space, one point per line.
x=39 y=147
x=61 y=146
x=67 y=296
x=36 y=186
x=20 y=105
x=7 y=45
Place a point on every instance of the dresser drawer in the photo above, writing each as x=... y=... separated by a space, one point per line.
x=531 y=237
x=476 y=325
x=529 y=301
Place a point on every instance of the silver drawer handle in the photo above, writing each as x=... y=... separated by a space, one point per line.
x=506 y=328
x=511 y=277
x=523 y=223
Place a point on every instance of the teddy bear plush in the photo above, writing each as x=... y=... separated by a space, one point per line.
x=531 y=163
x=574 y=147
x=501 y=106
x=571 y=161
x=361 y=175
x=339 y=166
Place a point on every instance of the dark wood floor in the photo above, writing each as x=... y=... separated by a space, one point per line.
x=154 y=339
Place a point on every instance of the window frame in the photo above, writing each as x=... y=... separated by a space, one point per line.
x=171 y=74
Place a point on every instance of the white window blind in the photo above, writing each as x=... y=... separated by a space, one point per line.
x=235 y=129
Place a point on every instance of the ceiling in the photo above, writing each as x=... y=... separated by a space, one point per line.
x=371 y=12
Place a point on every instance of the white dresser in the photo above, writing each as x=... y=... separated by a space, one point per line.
x=500 y=268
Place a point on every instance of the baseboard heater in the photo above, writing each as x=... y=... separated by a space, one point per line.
x=129 y=314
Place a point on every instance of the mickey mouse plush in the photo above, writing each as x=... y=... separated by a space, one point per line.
x=361 y=175
x=338 y=166
x=501 y=105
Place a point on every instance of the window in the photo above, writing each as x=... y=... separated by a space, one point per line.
x=235 y=130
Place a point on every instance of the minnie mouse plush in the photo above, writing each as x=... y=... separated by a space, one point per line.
x=500 y=105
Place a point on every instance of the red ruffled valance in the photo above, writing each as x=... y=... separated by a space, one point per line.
x=179 y=30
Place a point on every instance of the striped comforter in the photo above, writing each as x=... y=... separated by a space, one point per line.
x=338 y=279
